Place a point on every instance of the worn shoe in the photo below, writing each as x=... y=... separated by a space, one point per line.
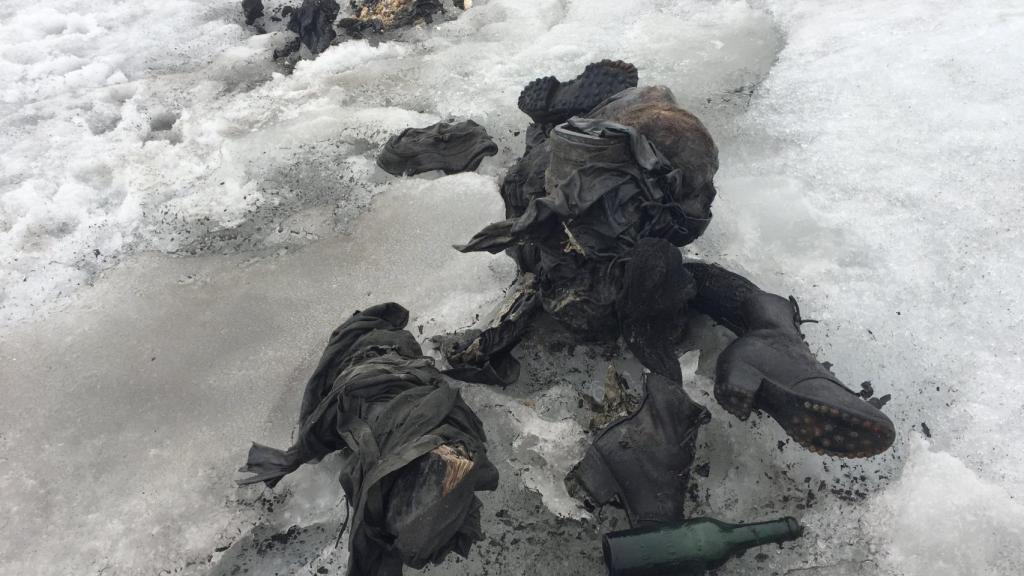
x=770 y=368
x=548 y=101
x=644 y=459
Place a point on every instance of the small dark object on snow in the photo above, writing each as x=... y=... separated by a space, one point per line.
x=927 y=431
x=415 y=452
x=881 y=401
x=253 y=9
x=313 y=21
x=451 y=147
x=866 y=390
x=644 y=459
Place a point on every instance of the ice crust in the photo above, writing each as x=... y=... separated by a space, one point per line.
x=870 y=159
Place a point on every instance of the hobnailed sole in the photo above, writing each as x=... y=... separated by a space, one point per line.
x=548 y=101
x=820 y=427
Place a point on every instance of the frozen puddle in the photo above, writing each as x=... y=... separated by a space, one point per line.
x=870 y=166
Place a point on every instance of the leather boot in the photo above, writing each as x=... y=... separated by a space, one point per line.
x=771 y=369
x=644 y=459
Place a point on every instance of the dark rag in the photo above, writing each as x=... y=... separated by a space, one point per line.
x=451 y=147
x=607 y=206
x=376 y=398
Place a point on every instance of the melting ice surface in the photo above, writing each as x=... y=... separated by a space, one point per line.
x=182 y=223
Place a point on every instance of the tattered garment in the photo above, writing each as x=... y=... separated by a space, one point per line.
x=313 y=21
x=252 y=9
x=376 y=398
x=607 y=189
x=446 y=146
x=605 y=205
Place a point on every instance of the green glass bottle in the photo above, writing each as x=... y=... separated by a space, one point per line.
x=690 y=547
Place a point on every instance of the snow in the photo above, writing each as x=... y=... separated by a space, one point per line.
x=183 y=222
x=980 y=513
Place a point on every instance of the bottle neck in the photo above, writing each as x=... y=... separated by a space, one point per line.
x=774 y=531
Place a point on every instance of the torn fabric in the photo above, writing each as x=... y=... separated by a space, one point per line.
x=379 y=401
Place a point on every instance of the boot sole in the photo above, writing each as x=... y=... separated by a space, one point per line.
x=548 y=101
x=818 y=426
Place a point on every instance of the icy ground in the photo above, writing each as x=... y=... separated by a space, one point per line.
x=182 y=223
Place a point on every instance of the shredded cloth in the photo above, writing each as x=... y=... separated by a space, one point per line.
x=415 y=452
x=606 y=206
x=451 y=147
x=607 y=188
x=313 y=21
x=252 y=9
